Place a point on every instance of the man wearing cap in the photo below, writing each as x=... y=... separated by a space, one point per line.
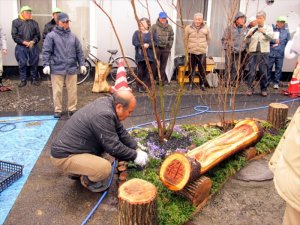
x=52 y=23
x=234 y=44
x=62 y=53
x=277 y=46
x=259 y=38
x=165 y=35
x=26 y=33
x=92 y=131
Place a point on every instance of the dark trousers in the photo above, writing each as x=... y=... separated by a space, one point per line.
x=198 y=61
x=143 y=73
x=278 y=61
x=27 y=57
x=233 y=67
x=162 y=55
x=261 y=60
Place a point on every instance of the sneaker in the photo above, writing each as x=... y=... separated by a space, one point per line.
x=264 y=93
x=94 y=186
x=57 y=115
x=249 y=92
x=22 y=83
x=276 y=86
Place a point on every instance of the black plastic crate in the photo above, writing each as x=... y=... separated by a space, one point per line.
x=9 y=173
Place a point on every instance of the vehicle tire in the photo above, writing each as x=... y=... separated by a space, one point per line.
x=129 y=76
x=82 y=77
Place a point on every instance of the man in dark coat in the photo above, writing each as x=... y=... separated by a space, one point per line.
x=52 y=23
x=165 y=36
x=26 y=33
x=62 y=53
x=93 y=130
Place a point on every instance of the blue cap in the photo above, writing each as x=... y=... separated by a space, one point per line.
x=63 y=17
x=163 y=15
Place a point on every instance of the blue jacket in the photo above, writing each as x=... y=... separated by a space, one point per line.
x=284 y=37
x=62 y=52
x=139 y=56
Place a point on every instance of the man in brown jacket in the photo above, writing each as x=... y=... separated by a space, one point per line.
x=197 y=35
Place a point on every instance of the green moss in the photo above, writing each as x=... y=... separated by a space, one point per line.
x=268 y=142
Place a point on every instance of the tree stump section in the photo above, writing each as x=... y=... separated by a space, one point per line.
x=197 y=190
x=249 y=153
x=277 y=114
x=137 y=203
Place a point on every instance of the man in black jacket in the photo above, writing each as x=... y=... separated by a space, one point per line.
x=26 y=33
x=52 y=23
x=93 y=130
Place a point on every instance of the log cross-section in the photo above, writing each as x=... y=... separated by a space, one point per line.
x=178 y=170
x=137 y=203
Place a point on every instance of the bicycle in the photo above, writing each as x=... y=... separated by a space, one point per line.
x=90 y=58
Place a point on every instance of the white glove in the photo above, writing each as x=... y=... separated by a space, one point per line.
x=141 y=158
x=83 y=69
x=46 y=70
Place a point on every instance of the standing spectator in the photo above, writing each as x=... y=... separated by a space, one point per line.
x=61 y=54
x=197 y=35
x=52 y=23
x=251 y=22
x=259 y=47
x=3 y=49
x=165 y=36
x=277 y=46
x=234 y=45
x=143 y=73
x=26 y=33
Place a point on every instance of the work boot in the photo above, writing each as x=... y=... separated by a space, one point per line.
x=99 y=186
x=70 y=113
x=22 y=83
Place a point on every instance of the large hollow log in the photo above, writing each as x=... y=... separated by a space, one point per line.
x=277 y=114
x=137 y=203
x=178 y=170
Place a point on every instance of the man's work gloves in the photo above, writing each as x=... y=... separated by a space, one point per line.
x=83 y=69
x=46 y=70
x=141 y=158
x=31 y=44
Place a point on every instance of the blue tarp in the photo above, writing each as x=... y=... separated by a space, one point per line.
x=22 y=139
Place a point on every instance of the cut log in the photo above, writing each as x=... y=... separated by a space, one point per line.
x=178 y=170
x=122 y=168
x=197 y=190
x=123 y=176
x=137 y=203
x=277 y=114
x=101 y=72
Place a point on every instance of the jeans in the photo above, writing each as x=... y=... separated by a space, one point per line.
x=261 y=60
x=278 y=61
x=27 y=56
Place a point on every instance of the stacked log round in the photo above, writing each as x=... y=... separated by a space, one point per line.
x=277 y=115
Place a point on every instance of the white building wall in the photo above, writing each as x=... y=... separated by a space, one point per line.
x=8 y=12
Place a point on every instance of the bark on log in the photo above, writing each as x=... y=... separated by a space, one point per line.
x=101 y=73
x=197 y=190
x=249 y=153
x=178 y=170
x=137 y=203
x=277 y=114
